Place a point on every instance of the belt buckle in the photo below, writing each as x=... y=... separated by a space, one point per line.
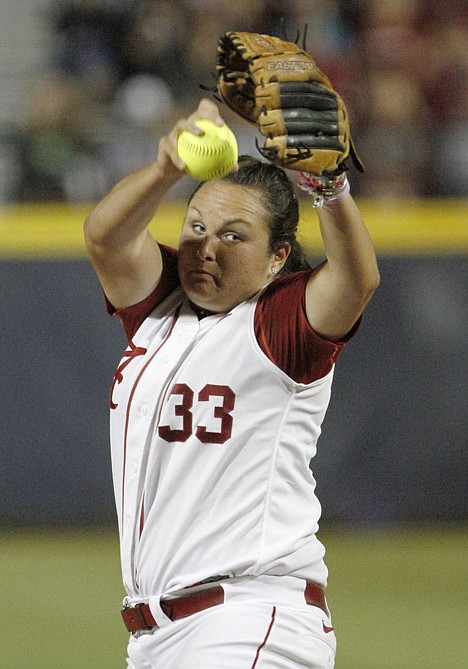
x=134 y=618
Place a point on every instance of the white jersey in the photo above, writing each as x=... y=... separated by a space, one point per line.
x=211 y=443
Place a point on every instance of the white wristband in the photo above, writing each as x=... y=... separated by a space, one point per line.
x=324 y=189
x=339 y=196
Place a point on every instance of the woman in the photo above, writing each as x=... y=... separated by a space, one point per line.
x=216 y=409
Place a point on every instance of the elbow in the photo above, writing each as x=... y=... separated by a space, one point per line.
x=374 y=280
x=89 y=231
x=370 y=285
x=365 y=284
x=94 y=235
x=370 y=275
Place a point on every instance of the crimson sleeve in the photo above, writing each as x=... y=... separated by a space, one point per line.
x=132 y=317
x=285 y=335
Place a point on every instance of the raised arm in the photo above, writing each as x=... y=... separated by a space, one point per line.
x=340 y=289
x=124 y=254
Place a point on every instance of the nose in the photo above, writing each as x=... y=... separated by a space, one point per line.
x=207 y=249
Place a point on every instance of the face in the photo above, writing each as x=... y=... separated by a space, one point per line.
x=224 y=256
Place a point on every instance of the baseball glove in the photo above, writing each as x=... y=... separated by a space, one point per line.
x=276 y=85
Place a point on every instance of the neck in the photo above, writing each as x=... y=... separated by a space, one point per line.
x=201 y=313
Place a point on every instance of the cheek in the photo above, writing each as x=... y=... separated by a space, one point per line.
x=187 y=249
x=251 y=269
x=184 y=243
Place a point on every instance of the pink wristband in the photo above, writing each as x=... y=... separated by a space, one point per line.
x=324 y=189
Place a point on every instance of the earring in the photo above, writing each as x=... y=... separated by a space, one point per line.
x=274 y=270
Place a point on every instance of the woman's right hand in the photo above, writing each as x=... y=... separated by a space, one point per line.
x=168 y=161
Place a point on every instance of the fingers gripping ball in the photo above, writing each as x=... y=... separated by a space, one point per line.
x=211 y=155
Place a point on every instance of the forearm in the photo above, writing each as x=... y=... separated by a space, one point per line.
x=348 y=246
x=338 y=292
x=124 y=254
x=123 y=215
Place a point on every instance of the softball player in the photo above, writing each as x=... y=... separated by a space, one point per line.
x=216 y=408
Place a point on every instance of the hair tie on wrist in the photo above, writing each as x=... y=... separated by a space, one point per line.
x=324 y=189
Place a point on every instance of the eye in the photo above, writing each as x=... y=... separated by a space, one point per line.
x=231 y=237
x=198 y=228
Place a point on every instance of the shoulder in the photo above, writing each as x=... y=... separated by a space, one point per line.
x=283 y=296
x=293 y=284
x=132 y=317
x=285 y=335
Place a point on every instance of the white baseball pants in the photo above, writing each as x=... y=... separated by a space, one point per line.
x=242 y=633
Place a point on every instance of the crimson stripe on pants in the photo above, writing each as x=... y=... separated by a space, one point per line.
x=259 y=649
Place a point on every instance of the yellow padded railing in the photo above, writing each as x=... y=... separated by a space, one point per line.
x=398 y=227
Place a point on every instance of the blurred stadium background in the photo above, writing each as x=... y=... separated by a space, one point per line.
x=88 y=87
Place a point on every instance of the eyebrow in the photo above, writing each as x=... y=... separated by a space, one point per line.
x=228 y=221
x=193 y=209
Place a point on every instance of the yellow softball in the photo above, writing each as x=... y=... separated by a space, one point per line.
x=211 y=155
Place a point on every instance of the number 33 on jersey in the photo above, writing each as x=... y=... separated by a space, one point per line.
x=182 y=402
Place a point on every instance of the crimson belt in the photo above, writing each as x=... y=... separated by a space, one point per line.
x=139 y=617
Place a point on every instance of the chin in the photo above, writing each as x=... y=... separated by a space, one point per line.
x=201 y=299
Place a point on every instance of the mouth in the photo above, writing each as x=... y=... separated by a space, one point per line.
x=203 y=275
